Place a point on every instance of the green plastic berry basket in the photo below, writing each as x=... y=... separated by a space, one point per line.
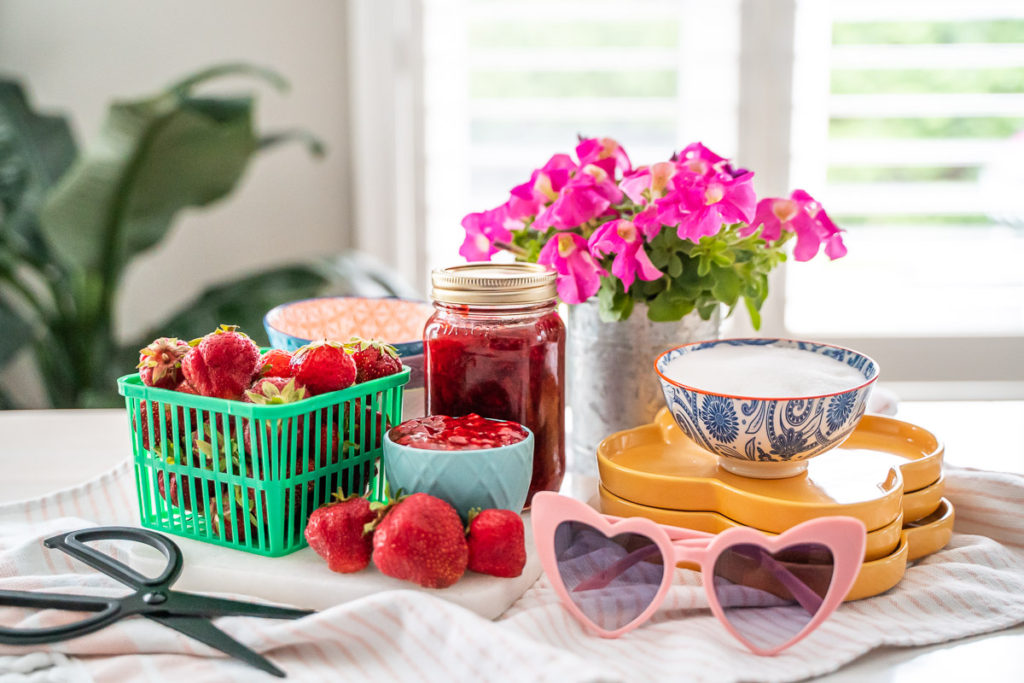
x=248 y=476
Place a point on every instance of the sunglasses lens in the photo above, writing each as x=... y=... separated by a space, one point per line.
x=770 y=597
x=611 y=580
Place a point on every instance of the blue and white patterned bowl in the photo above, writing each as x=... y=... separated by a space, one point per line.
x=767 y=438
x=482 y=478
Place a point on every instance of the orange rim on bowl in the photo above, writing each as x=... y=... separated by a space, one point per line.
x=673 y=382
x=765 y=429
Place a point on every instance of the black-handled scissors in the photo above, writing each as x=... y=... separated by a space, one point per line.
x=186 y=613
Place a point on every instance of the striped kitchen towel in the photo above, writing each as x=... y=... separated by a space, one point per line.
x=974 y=585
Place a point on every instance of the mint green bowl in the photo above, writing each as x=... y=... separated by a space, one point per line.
x=485 y=477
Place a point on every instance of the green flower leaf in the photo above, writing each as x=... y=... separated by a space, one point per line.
x=675 y=266
x=707 y=310
x=754 y=309
x=723 y=258
x=703 y=265
x=726 y=285
x=669 y=305
x=614 y=303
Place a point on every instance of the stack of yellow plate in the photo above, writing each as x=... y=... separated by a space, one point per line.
x=888 y=474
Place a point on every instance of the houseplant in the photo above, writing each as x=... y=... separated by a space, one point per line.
x=677 y=238
x=71 y=222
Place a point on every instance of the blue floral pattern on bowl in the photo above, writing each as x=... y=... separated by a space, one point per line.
x=764 y=430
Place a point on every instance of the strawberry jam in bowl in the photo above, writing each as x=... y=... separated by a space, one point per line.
x=469 y=461
x=469 y=432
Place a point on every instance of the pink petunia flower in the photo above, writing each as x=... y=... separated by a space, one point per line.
x=578 y=272
x=696 y=158
x=543 y=186
x=581 y=200
x=604 y=152
x=648 y=222
x=648 y=182
x=803 y=215
x=774 y=215
x=700 y=205
x=482 y=229
x=622 y=238
x=600 y=181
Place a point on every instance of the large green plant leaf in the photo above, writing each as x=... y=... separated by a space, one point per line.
x=70 y=229
x=153 y=157
x=15 y=332
x=35 y=151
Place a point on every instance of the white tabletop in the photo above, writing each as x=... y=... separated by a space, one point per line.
x=44 y=451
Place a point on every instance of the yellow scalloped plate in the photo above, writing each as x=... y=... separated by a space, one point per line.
x=876 y=576
x=880 y=542
x=917 y=451
x=930 y=533
x=923 y=502
x=916 y=541
x=655 y=465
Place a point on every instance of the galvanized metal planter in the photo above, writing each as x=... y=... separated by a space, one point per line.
x=611 y=380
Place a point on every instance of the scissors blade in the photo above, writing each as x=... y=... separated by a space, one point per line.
x=203 y=630
x=204 y=605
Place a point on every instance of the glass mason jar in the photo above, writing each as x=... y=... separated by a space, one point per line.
x=495 y=346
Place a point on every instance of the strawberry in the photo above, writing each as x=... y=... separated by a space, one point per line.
x=183 y=483
x=278 y=390
x=222 y=363
x=160 y=362
x=339 y=533
x=200 y=455
x=323 y=366
x=166 y=428
x=274 y=390
x=186 y=388
x=373 y=359
x=420 y=539
x=375 y=421
x=149 y=416
x=227 y=516
x=497 y=543
x=356 y=478
x=276 y=363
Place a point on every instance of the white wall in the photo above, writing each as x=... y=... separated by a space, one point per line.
x=76 y=56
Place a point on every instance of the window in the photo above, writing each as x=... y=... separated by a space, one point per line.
x=910 y=118
x=898 y=116
x=510 y=83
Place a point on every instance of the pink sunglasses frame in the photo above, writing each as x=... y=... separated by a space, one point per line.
x=844 y=536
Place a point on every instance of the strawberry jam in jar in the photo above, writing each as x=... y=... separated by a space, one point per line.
x=495 y=346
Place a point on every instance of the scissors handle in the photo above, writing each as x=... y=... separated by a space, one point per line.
x=74 y=544
x=107 y=611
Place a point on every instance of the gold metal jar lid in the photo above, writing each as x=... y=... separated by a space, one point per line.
x=494 y=284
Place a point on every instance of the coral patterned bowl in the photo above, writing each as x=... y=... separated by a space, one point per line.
x=724 y=403
x=398 y=322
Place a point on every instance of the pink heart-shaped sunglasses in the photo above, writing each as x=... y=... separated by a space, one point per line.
x=613 y=573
